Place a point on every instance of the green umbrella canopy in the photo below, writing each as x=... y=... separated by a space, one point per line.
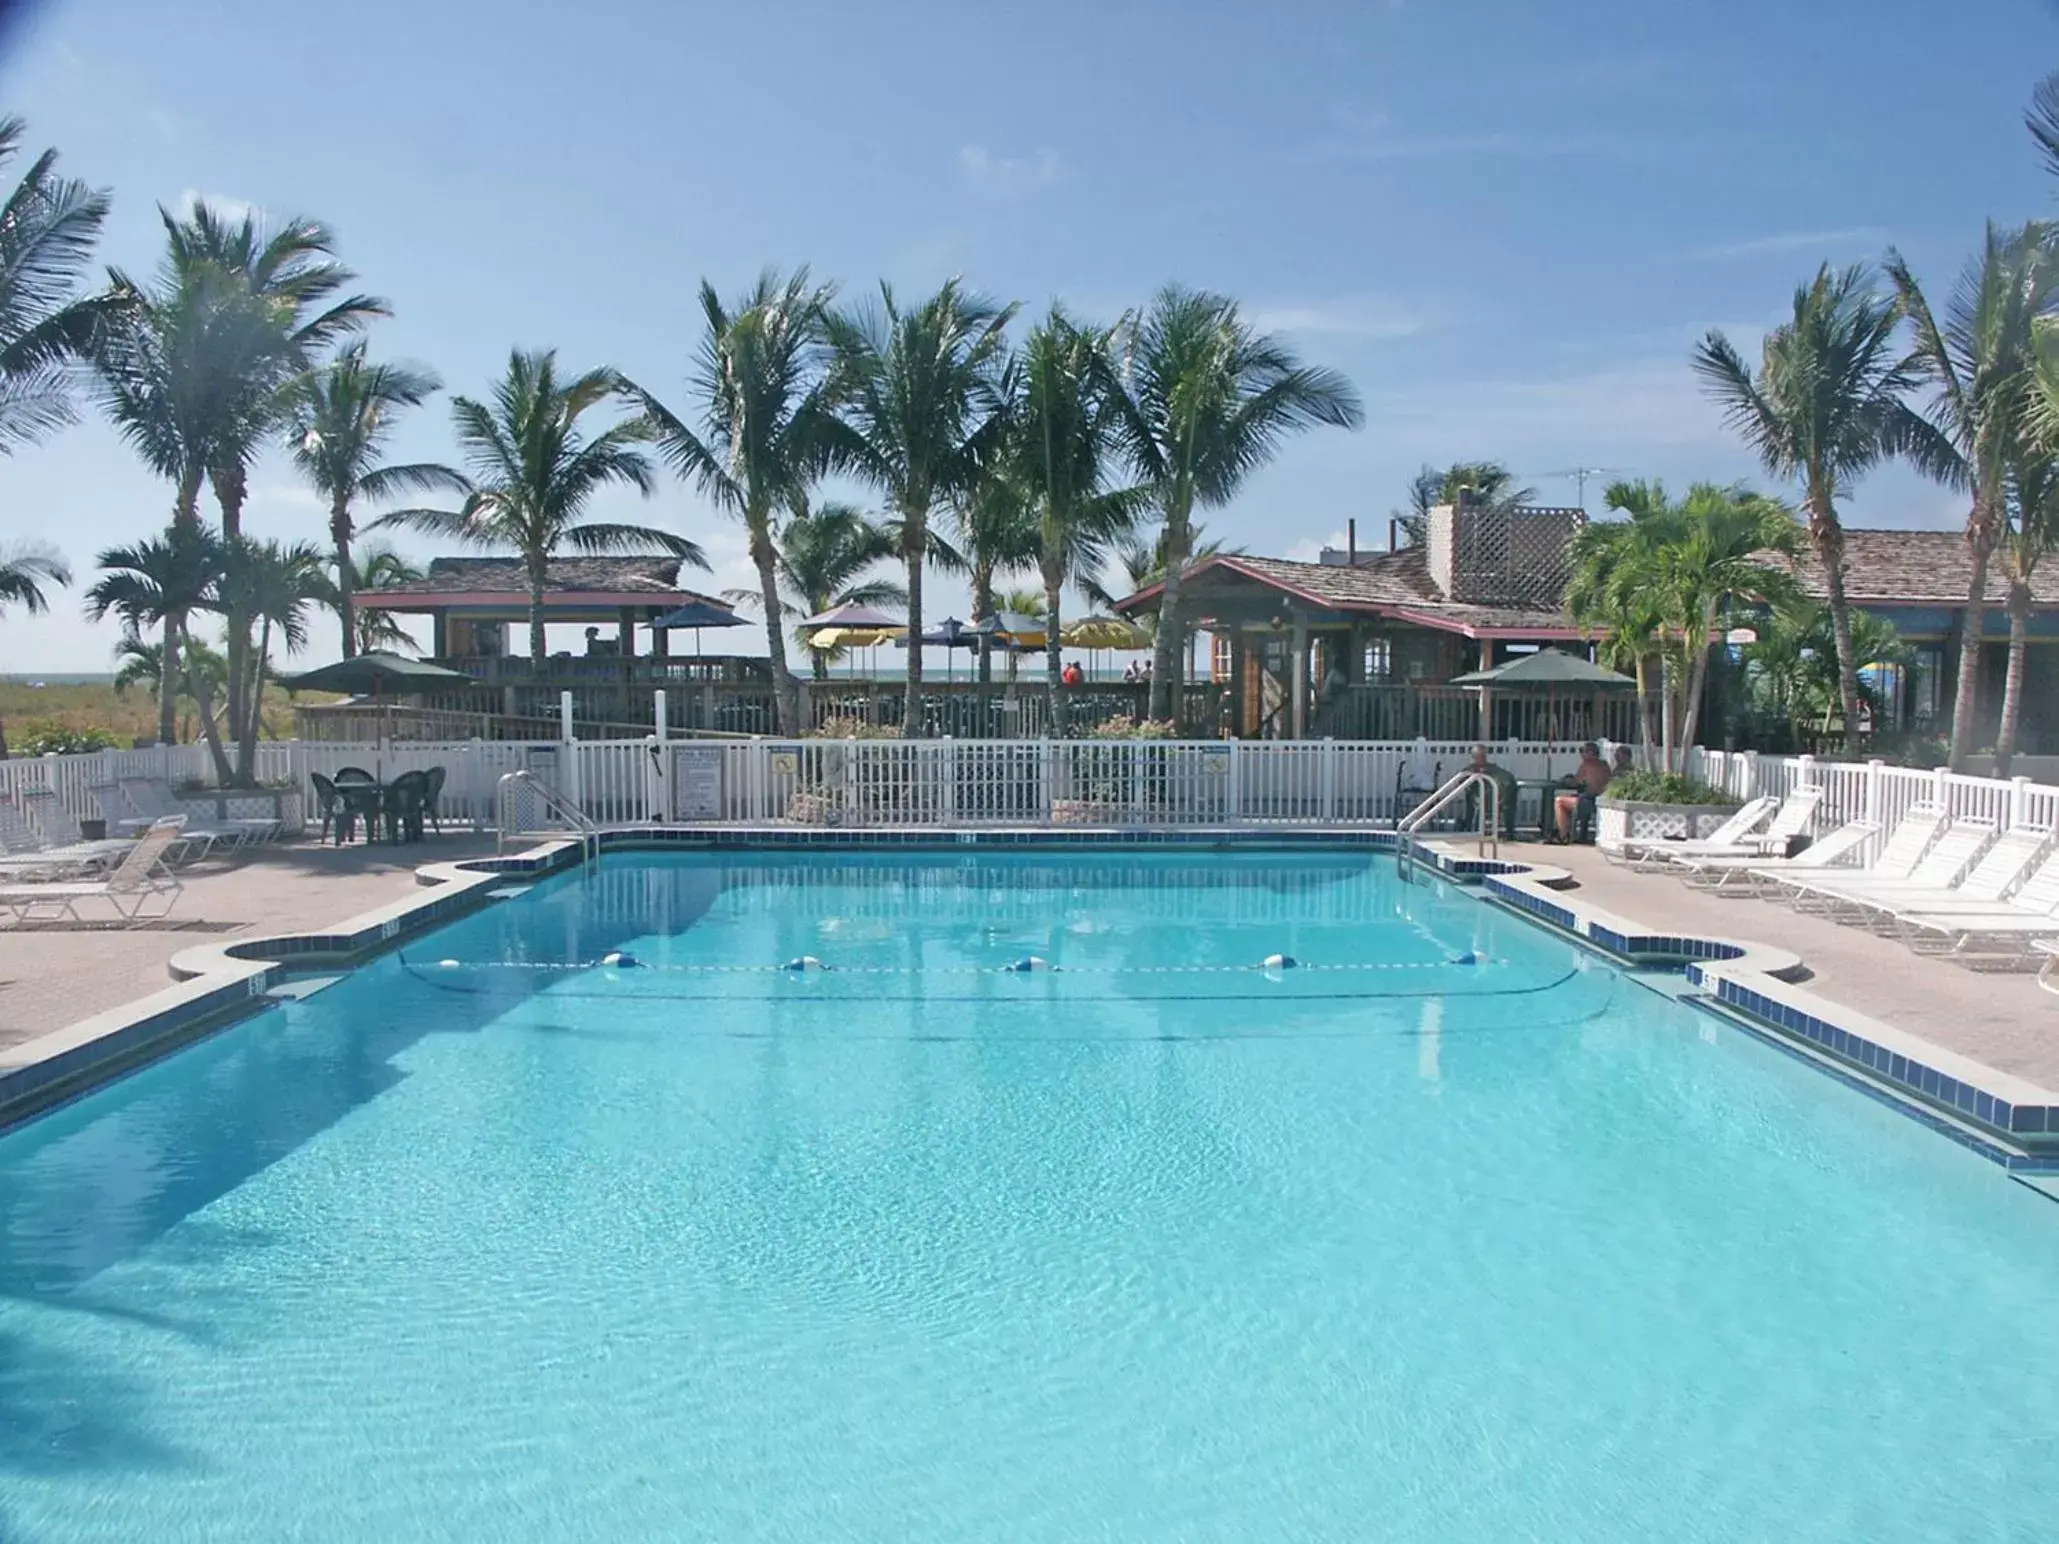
x=1547 y=668
x=376 y=674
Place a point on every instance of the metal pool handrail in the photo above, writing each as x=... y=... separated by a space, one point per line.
x=555 y=803
x=1456 y=784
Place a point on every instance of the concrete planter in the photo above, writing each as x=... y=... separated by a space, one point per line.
x=1618 y=821
x=280 y=804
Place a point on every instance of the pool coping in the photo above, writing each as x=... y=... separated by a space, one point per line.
x=2006 y=1118
x=2000 y=1115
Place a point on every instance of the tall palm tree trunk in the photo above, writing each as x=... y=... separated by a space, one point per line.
x=1981 y=534
x=210 y=728
x=1828 y=538
x=185 y=512
x=1642 y=669
x=914 y=537
x=536 y=644
x=229 y=492
x=1165 y=647
x=786 y=701
x=346 y=580
x=246 y=747
x=982 y=608
x=2012 y=684
x=1056 y=708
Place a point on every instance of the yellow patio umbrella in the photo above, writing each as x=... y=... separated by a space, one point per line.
x=1104 y=633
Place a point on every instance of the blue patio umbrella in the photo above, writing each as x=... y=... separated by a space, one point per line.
x=697 y=614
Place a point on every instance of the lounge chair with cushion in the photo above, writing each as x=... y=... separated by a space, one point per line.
x=135 y=885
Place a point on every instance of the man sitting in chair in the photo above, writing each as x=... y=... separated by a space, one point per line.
x=1505 y=789
x=1575 y=807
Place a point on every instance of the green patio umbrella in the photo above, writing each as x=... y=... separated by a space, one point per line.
x=376 y=675
x=1548 y=670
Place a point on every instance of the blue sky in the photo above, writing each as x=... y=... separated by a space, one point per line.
x=1506 y=221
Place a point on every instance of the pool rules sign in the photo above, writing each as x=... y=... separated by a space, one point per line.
x=697 y=782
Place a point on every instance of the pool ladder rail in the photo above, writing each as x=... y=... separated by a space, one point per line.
x=515 y=788
x=1457 y=784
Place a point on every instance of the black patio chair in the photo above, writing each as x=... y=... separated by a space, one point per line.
x=433 y=796
x=337 y=816
x=406 y=799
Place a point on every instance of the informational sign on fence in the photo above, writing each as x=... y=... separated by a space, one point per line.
x=543 y=761
x=697 y=782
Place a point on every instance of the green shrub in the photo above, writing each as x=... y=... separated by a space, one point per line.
x=1665 y=788
x=853 y=729
x=1123 y=727
x=43 y=738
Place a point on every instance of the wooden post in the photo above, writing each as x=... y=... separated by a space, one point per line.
x=1298 y=720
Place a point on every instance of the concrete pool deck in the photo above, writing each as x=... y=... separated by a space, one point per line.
x=52 y=976
x=2001 y=1020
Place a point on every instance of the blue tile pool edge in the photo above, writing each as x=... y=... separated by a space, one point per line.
x=2007 y=1119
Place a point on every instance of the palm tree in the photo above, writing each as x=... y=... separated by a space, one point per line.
x=1668 y=574
x=1825 y=406
x=195 y=370
x=997 y=536
x=1978 y=366
x=24 y=569
x=275 y=299
x=163 y=581
x=1606 y=592
x=1209 y=401
x=1792 y=665
x=1141 y=564
x=140 y=663
x=372 y=569
x=274 y=583
x=47 y=230
x=2034 y=495
x=918 y=389
x=1065 y=437
x=824 y=555
x=534 y=471
x=339 y=417
x=765 y=430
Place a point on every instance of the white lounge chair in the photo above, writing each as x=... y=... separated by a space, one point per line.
x=26 y=852
x=2008 y=926
x=195 y=841
x=2000 y=869
x=1897 y=859
x=1864 y=898
x=140 y=879
x=155 y=799
x=1731 y=874
x=1796 y=814
x=1637 y=851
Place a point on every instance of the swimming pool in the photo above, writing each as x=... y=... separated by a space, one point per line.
x=1451 y=1232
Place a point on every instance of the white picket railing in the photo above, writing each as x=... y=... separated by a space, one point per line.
x=1872 y=790
x=1007 y=782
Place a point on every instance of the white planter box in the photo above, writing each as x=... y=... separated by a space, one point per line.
x=1623 y=820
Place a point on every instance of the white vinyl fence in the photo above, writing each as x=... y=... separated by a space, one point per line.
x=1872 y=790
x=1004 y=782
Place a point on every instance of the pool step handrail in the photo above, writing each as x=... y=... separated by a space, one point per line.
x=555 y=803
x=1455 y=785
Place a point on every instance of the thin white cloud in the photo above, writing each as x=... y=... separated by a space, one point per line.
x=1350 y=316
x=231 y=209
x=1003 y=175
x=1359 y=134
x=1310 y=550
x=1784 y=242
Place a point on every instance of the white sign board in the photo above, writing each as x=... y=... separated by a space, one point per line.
x=697 y=783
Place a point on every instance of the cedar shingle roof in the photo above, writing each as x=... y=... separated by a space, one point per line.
x=1925 y=568
x=656 y=575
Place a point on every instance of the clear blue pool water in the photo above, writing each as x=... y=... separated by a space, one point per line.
x=1149 y=1247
